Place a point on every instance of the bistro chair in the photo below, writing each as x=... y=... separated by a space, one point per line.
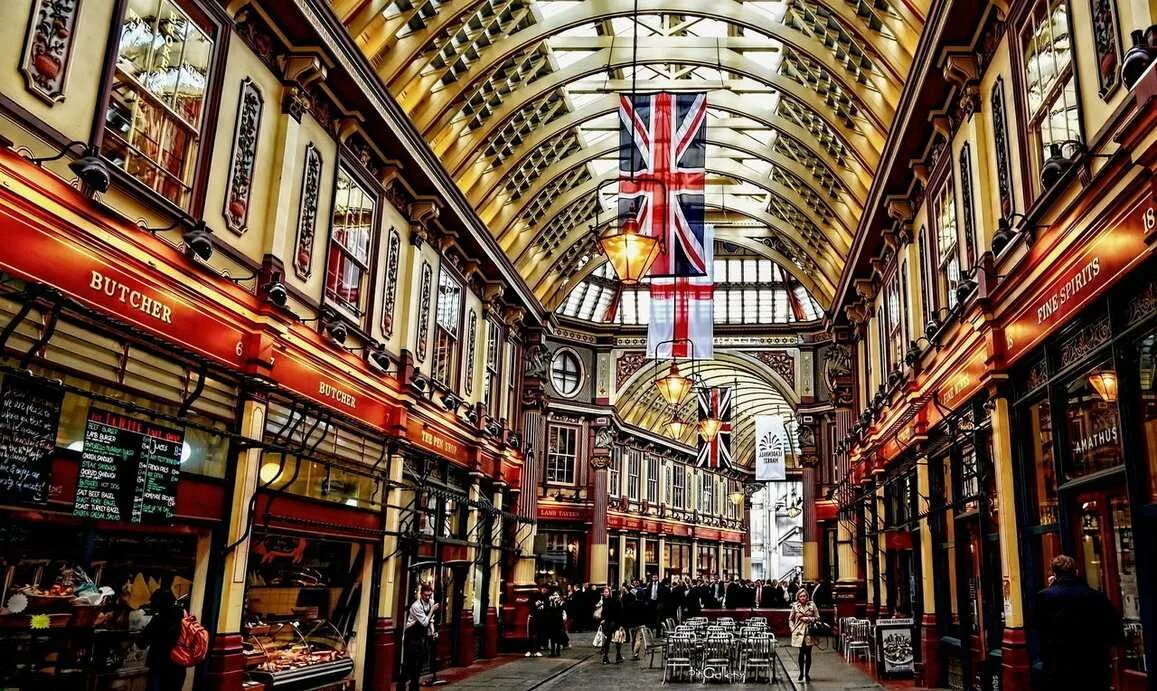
x=717 y=658
x=859 y=642
x=757 y=658
x=678 y=657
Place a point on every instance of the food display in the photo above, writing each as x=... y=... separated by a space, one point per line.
x=296 y=654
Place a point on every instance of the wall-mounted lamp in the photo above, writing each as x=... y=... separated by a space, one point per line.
x=1139 y=57
x=90 y=167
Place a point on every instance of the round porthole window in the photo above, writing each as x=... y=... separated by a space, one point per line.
x=566 y=372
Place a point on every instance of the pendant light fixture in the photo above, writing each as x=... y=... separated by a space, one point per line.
x=1104 y=382
x=673 y=386
x=629 y=251
x=678 y=427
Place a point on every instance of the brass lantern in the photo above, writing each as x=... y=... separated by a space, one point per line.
x=1104 y=382
x=678 y=427
x=630 y=253
x=709 y=427
x=673 y=386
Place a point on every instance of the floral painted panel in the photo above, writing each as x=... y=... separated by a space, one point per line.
x=390 y=298
x=48 y=47
x=240 y=186
x=307 y=215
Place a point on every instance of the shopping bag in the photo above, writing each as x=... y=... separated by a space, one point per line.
x=600 y=638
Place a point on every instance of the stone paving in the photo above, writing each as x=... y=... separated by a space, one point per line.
x=580 y=668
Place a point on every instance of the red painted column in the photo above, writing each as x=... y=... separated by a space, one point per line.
x=1015 y=672
x=490 y=633
x=466 y=642
x=226 y=663
x=383 y=652
x=930 y=670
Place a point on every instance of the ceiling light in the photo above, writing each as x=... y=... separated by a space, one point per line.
x=673 y=386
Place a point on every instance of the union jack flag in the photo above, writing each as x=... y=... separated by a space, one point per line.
x=662 y=155
x=716 y=402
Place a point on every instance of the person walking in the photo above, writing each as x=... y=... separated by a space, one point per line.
x=1078 y=626
x=803 y=614
x=416 y=634
x=161 y=634
x=612 y=611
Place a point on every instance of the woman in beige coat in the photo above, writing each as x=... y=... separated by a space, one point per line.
x=804 y=613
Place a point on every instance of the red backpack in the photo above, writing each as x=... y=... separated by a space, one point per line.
x=192 y=643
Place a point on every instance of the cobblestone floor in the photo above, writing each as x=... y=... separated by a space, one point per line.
x=580 y=668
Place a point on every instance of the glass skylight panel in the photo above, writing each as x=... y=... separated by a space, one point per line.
x=643 y=315
x=589 y=300
x=766 y=313
x=749 y=271
x=750 y=306
x=734 y=307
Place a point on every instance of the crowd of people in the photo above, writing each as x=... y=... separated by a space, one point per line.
x=639 y=607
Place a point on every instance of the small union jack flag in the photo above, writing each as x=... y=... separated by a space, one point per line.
x=716 y=402
x=662 y=159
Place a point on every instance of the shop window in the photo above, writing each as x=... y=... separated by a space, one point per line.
x=947 y=253
x=566 y=372
x=1043 y=462
x=650 y=558
x=298 y=616
x=634 y=461
x=1146 y=368
x=1093 y=423
x=157 y=98
x=653 y=479
x=351 y=236
x=82 y=647
x=562 y=453
x=630 y=561
x=678 y=485
x=491 y=383
x=318 y=479
x=446 y=324
x=1050 y=82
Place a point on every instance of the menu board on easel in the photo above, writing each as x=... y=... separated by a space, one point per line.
x=29 y=415
x=128 y=469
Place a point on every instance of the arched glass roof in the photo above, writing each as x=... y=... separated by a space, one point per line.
x=748 y=290
x=519 y=97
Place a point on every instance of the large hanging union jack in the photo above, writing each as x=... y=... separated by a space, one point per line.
x=662 y=154
x=716 y=402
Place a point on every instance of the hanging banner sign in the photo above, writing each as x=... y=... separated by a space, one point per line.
x=29 y=415
x=128 y=470
x=770 y=448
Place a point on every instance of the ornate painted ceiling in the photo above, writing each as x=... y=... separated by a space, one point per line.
x=519 y=99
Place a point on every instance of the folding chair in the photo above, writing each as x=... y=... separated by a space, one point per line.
x=717 y=658
x=678 y=656
x=757 y=657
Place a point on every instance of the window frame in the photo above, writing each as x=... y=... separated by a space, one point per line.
x=634 y=474
x=453 y=360
x=358 y=176
x=579 y=371
x=653 y=469
x=492 y=385
x=1032 y=146
x=678 y=486
x=214 y=23
x=943 y=197
x=554 y=459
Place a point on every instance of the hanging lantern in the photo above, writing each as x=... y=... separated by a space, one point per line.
x=678 y=427
x=1104 y=382
x=709 y=427
x=673 y=386
x=630 y=253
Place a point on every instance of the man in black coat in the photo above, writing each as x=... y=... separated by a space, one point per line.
x=1077 y=626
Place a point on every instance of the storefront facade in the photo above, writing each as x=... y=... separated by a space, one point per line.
x=286 y=398
x=998 y=336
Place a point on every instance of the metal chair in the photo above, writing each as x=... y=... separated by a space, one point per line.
x=717 y=662
x=678 y=657
x=757 y=657
x=859 y=642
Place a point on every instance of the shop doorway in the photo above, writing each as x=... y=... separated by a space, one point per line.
x=1105 y=555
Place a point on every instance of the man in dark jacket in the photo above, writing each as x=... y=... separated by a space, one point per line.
x=1077 y=626
x=161 y=634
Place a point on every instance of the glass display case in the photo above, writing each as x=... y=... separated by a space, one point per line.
x=297 y=654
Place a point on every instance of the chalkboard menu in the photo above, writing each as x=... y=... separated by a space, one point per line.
x=128 y=469
x=29 y=414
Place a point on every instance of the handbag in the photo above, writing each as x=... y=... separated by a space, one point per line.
x=818 y=628
x=620 y=636
x=600 y=639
